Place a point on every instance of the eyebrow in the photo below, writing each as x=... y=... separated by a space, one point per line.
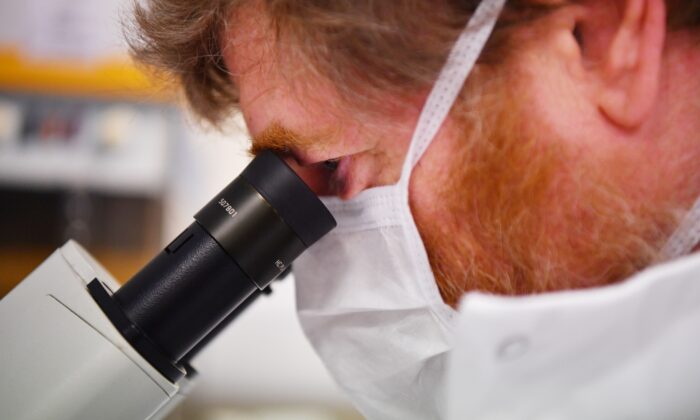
x=280 y=139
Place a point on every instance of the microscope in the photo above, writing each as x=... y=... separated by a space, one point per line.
x=75 y=345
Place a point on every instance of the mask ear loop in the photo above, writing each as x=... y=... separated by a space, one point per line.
x=459 y=64
x=686 y=236
x=454 y=73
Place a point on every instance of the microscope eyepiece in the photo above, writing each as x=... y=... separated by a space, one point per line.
x=266 y=218
x=245 y=237
x=290 y=197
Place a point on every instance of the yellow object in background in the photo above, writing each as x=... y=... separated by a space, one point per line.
x=113 y=78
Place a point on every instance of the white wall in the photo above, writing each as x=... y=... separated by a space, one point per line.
x=64 y=29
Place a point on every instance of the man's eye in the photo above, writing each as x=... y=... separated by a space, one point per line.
x=331 y=164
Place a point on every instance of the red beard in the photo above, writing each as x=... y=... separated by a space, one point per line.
x=520 y=214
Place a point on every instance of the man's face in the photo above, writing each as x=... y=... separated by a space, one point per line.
x=522 y=189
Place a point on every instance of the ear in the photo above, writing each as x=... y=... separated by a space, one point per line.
x=631 y=60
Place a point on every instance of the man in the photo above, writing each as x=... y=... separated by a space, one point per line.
x=566 y=163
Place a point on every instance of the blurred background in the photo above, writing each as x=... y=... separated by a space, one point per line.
x=93 y=150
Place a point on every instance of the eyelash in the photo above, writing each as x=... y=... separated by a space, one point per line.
x=578 y=35
x=331 y=164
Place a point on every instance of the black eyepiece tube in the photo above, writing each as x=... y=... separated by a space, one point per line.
x=204 y=342
x=244 y=238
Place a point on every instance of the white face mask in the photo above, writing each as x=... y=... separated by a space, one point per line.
x=686 y=237
x=366 y=295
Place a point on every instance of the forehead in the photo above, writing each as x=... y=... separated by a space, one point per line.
x=275 y=85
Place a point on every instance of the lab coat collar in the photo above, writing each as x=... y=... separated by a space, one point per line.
x=674 y=275
x=627 y=350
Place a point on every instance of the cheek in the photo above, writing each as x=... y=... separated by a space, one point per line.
x=555 y=100
x=431 y=176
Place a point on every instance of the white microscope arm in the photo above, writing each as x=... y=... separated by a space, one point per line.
x=75 y=345
x=61 y=356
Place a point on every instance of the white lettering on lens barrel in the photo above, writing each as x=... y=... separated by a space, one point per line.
x=227 y=207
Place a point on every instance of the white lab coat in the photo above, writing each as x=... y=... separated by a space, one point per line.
x=628 y=351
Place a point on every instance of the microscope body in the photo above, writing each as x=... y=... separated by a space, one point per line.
x=63 y=359
x=76 y=345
